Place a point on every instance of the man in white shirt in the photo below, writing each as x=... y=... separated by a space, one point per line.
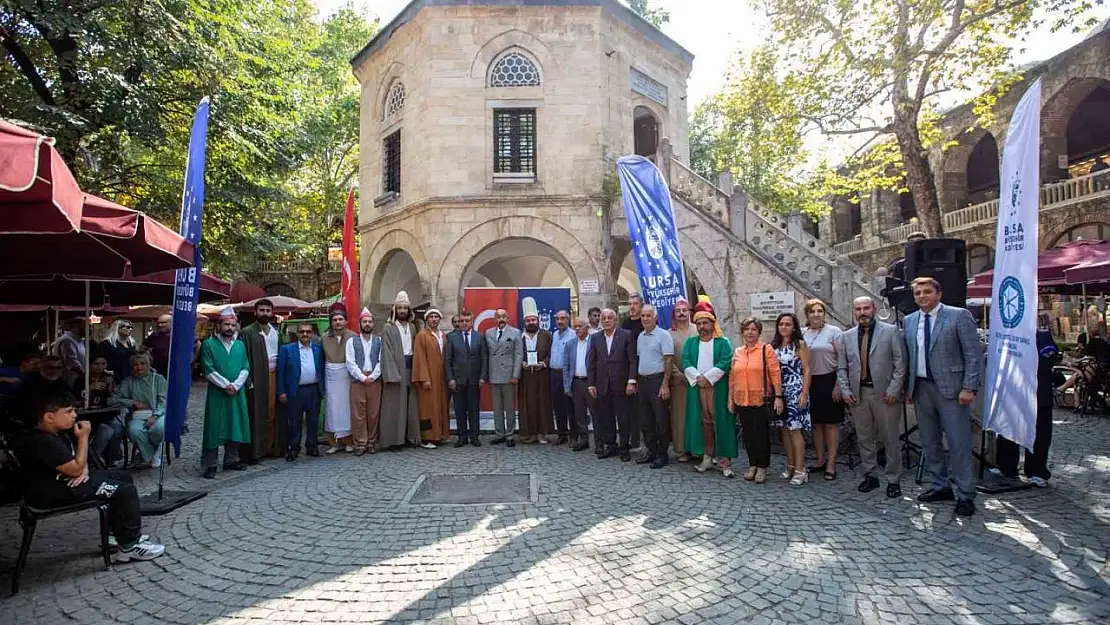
x=594 y=315
x=300 y=384
x=365 y=366
x=575 y=383
x=400 y=425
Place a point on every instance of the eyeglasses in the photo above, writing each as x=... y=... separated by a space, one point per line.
x=305 y=332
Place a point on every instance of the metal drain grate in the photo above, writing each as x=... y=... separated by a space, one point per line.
x=472 y=489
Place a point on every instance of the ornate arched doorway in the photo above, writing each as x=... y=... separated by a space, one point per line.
x=645 y=130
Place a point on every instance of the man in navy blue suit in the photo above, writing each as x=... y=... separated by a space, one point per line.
x=611 y=379
x=300 y=384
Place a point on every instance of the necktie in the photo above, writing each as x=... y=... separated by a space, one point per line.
x=466 y=341
x=928 y=342
x=864 y=348
x=499 y=331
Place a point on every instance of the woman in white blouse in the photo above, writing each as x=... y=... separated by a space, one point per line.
x=826 y=411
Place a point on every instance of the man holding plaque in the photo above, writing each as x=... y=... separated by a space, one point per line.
x=535 y=387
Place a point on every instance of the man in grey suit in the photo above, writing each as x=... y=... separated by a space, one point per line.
x=871 y=373
x=466 y=365
x=575 y=385
x=944 y=361
x=505 y=359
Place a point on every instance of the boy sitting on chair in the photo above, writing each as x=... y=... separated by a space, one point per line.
x=56 y=474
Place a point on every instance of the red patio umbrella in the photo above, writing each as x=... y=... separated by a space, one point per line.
x=67 y=290
x=282 y=304
x=1095 y=271
x=37 y=191
x=1053 y=262
x=110 y=237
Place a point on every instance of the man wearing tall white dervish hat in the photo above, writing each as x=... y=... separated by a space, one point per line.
x=398 y=423
x=535 y=386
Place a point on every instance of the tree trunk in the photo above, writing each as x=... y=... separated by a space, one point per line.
x=919 y=174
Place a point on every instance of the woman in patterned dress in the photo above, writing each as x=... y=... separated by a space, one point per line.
x=793 y=356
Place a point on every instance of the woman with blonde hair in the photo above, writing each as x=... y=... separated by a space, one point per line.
x=755 y=394
x=825 y=409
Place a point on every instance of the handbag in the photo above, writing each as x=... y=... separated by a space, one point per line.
x=768 y=388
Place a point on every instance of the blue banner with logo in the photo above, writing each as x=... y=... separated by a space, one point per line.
x=1010 y=398
x=647 y=206
x=548 y=301
x=185 y=293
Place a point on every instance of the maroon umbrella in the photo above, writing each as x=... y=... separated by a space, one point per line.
x=1053 y=262
x=1095 y=271
x=37 y=191
x=110 y=237
x=67 y=290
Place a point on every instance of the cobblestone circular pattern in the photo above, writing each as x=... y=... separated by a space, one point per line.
x=329 y=540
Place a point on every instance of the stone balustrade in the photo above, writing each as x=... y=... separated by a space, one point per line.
x=699 y=192
x=291 y=267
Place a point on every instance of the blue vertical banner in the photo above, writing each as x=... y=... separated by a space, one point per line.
x=548 y=301
x=1010 y=400
x=183 y=331
x=651 y=225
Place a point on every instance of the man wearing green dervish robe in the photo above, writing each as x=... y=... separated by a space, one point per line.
x=226 y=421
x=706 y=360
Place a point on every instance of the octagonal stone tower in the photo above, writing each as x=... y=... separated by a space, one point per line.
x=489 y=131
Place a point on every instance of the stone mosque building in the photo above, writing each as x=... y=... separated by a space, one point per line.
x=489 y=135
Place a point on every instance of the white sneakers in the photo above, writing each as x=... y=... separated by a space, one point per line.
x=706 y=464
x=142 y=550
x=112 y=540
x=156 y=461
x=428 y=445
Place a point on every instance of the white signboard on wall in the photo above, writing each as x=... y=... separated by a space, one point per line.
x=768 y=306
x=586 y=287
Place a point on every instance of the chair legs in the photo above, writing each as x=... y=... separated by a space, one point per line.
x=28 y=524
x=103 y=512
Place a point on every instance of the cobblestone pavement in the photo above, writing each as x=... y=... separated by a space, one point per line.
x=331 y=540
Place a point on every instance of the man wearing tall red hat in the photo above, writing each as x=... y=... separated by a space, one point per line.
x=337 y=381
x=534 y=390
x=226 y=423
x=399 y=423
x=428 y=380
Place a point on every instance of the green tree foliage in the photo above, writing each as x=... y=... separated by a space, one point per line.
x=657 y=17
x=117 y=82
x=876 y=68
x=754 y=128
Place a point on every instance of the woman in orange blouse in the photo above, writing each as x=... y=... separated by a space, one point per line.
x=753 y=364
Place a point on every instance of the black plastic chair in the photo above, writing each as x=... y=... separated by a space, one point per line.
x=29 y=517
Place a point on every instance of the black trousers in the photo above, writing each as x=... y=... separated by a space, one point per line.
x=582 y=405
x=1036 y=461
x=655 y=416
x=756 y=424
x=466 y=410
x=612 y=422
x=560 y=405
x=111 y=485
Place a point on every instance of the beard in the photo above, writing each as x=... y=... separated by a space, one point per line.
x=263 y=319
x=227 y=333
x=403 y=316
x=532 y=327
x=368 y=329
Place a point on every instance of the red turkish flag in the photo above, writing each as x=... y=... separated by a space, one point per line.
x=349 y=290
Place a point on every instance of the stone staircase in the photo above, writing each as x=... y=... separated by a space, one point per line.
x=811 y=267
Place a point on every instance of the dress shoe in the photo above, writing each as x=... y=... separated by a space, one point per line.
x=659 y=463
x=474 y=442
x=562 y=440
x=580 y=446
x=461 y=442
x=936 y=494
x=868 y=484
x=626 y=456
x=313 y=451
x=894 y=490
x=290 y=456
x=645 y=459
x=606 y=452
x=497 y=441
x=599 y=450
x=511 y=442
x=210 y=473
x=236 y=466
x=965 y=507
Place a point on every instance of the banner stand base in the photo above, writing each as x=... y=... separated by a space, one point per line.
x=993 y=484
x=151 y=505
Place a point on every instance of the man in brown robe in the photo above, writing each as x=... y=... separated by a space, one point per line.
x=428 y=379
x=534 y=389
x=262 y=341
x=398 y=424
x=681 y=329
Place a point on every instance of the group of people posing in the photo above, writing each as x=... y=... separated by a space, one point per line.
x=688 y=387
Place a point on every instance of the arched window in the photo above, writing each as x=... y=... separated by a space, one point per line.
x=394 y=101
x=514 y=70
x=1086 y=232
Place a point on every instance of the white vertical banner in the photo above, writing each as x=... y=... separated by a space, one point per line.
x=1010 y=400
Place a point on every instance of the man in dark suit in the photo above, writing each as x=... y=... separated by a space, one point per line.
x=944 y=362
x=465 y=363
x=300 y=385
x=610 y=377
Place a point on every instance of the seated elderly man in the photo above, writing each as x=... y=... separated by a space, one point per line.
x=143 y=393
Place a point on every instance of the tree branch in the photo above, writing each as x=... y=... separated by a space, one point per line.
x=26 y=67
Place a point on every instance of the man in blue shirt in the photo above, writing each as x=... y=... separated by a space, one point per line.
x=560 y=403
